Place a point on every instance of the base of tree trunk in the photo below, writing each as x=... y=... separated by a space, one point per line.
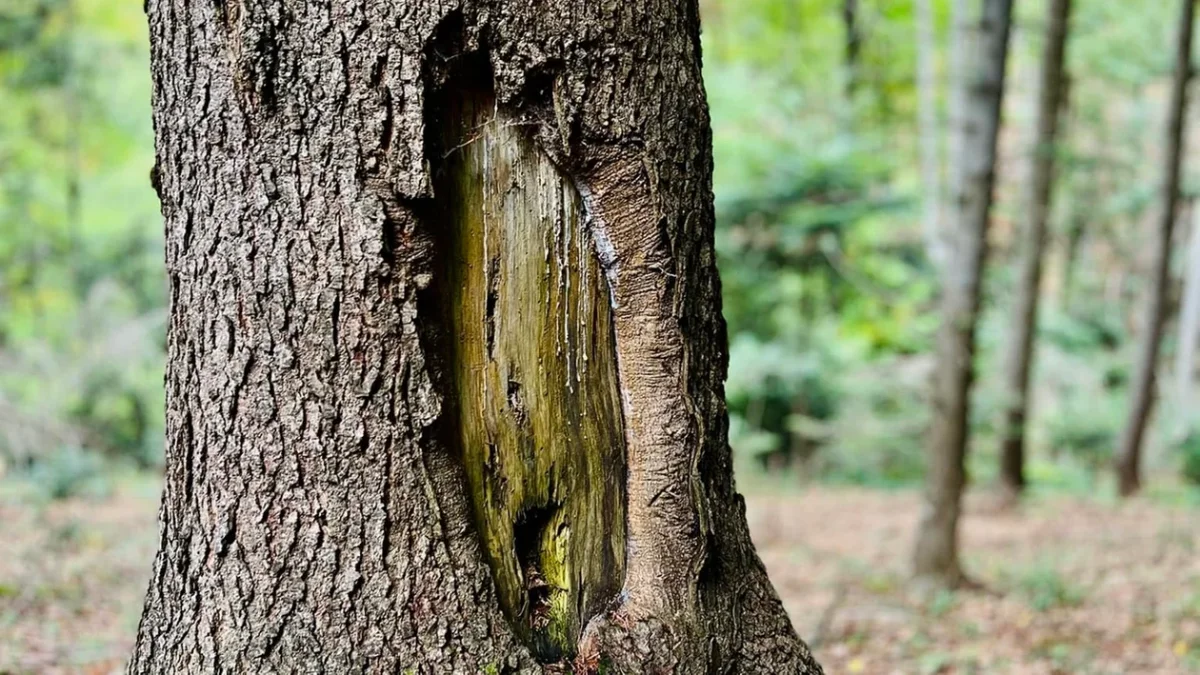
x=935 y=562
x=1129 y=481
x=1012 y=466
x=951 y=579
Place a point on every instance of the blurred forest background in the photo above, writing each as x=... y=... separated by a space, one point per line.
x=831 y=136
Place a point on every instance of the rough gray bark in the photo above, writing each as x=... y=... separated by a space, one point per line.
x=1033 y=243
x=1143 y=384
x=317 y=514
x=936 y=553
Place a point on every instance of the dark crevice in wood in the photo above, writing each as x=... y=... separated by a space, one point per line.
x=529 y=531
x=493 y=296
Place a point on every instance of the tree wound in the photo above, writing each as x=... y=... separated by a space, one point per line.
x=535 y=402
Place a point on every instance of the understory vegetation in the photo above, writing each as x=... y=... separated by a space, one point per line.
x=829 y=291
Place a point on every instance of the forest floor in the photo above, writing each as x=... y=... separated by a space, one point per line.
x=1069 y=584
x=1072 y=584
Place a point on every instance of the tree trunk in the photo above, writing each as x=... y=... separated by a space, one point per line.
x=936 y=555
x=445 y=356
x=1029 y=280
x=1142 y=386
x=931 y=205
x=853 y=44
x=73 y=103
x=1080 y=215
x=1189 y=323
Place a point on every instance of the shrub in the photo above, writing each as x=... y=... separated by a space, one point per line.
x=770 y=389
x=1086 y=430
x=1190 y=451
x=878 y=434
x=1045 y=588
x=70 y=472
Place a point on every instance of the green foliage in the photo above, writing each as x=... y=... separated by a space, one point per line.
x=816 y=279
x=1189 y=450
x=1083 y=400
x=779 y=398
x=942 y=602
x=1087 y=437
x=1048 y=474
x=81 y=280
x=70 y=472
x=880 y=430
x=1046 y=588
x=1081 y=334
x=935 y=662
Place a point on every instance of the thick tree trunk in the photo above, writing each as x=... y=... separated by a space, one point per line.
x=928 y=137
x=1142 y=386
x=936 y=554
x=1029 y=279
x=445 y=352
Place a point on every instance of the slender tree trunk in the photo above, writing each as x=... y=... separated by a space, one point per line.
x=931 y=205
x=1189 y=321
x=853 y=44
x=1079 y=217
x=1029 y=280
x=1142 y=386
x=74 y=148
x=445 y=356
x=936 y=555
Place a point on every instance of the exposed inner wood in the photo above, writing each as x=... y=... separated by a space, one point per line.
x=535 y=400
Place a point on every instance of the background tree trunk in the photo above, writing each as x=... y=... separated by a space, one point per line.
x=1189 y=322
x=1142 y=386
x=936 y=554
x=850 y=20
x=1076 y=228
x=73 y=102
x=445 y=355
x=1029 y=279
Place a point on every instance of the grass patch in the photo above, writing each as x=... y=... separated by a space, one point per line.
x=1045 y=588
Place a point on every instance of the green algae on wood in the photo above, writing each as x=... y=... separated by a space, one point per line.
x=535 y=402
